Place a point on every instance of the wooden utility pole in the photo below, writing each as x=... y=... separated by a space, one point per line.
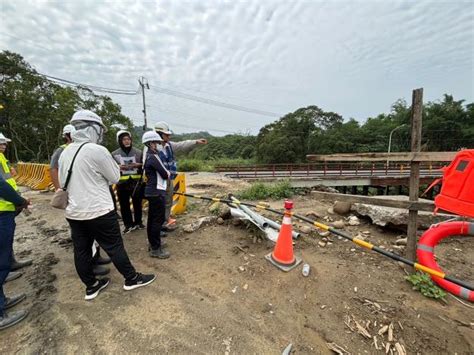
x=416 y=125
x=144 y=84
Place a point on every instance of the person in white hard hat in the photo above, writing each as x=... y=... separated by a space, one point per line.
x=155 y=192
x=129 y=186
x=167 y=154
x=54 y=171
x=90 y=210
x=54 y=165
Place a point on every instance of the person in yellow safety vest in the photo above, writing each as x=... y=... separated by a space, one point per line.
x=54 y=165
x=7 y=231
x=130 y=185
x=6 y=206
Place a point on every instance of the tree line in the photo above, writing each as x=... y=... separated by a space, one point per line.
x=36 y=109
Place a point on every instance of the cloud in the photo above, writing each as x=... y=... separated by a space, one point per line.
x=355 y=58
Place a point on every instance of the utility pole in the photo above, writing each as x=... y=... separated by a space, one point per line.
x=144 y=84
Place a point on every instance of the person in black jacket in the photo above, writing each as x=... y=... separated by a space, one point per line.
x=155 y=192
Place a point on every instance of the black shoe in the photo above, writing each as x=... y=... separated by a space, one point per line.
x=127 y=230
x=140 y=280
x=159 y=253
x=163 y=234
x=102 y=260
x=19 y=264
x=13 y=275
x=100 y=270
x=167 y=229
x=94 y=291
x=8 y=320
x=140 y=226
x=13 y=301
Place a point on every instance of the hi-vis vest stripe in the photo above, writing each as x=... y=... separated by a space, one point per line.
x=6 y=206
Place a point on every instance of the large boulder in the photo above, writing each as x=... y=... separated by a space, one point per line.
x=396 y=217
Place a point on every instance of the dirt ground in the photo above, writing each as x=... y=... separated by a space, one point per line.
x=218 y=295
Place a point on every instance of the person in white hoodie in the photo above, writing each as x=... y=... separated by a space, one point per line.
x=90 y=210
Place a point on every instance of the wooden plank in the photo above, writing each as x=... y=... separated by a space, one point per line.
x=416 y=124
x=393 y=157
x=385 y=202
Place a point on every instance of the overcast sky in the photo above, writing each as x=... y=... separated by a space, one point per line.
x=352 y=57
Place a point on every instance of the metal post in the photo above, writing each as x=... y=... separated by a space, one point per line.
x=390 y=142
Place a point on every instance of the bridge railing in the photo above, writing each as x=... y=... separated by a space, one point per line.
x=326 y=169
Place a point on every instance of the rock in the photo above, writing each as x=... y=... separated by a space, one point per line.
x=324 y=240
x=322 y=244
x=189 y=228
x=396 y=217
x=338 y=224
x=366 y=232
x=401 y=241
x=215 y=207
x=330 y=210
x=341 y=207
x=220 y=220
x=324 y=233
x=361 y=237
x=306 y=229
x=353 y=221
x=313 y=214
x=224 y=212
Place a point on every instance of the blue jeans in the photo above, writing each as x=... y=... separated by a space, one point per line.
x=7 y=230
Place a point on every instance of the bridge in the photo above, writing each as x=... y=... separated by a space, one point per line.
x=376 y=173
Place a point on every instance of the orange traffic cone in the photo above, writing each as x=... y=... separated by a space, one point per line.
x=282 y=256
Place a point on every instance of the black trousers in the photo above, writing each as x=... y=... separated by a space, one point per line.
x=156 y=218
x=106 y=231
x=125 y=192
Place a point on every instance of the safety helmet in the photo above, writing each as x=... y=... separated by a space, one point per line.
x=68 y=129
x=88 y=116
x=151 y=136
x=163 y=127
x=3 y=139
x=121 y=133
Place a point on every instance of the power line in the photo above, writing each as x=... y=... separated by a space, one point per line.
x=91 y=87
x=213 y=102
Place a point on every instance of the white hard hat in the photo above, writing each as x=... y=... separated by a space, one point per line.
x=121 y=132
x=3 y=139
x=86 y=115
x=69 y=128
x=151 y=136
x=163 y=127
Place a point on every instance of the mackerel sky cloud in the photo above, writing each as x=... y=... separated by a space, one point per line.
x=352 y=57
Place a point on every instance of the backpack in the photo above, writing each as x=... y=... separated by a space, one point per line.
x=457 y=189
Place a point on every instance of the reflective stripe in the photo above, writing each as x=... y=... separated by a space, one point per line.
x=425 y=248
x=464 y=293
x=133 y=177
